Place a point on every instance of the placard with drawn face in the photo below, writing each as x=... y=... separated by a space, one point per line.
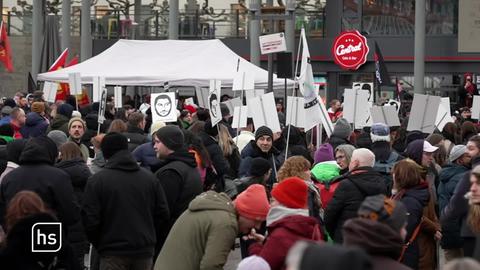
x=214 y=101
x=163 y=107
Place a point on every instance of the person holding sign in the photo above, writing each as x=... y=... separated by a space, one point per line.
x=467 y=90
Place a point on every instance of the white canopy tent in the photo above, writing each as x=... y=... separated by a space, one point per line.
x=152 y=63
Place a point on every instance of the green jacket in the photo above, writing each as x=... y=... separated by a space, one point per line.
x=325 y=171
x=60 y=122
x=202 y=236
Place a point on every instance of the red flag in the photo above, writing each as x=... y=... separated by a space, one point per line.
x=83 y=99
x=73 y=62
x=5 y=50
x=60 y=62
x=62 y=90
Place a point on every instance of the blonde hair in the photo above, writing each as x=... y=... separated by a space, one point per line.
x=225 y=140
x=294 y=166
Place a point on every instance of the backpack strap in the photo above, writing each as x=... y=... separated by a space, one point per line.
x=410 y=241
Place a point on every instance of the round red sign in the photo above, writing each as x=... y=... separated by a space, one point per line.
x=350 y=50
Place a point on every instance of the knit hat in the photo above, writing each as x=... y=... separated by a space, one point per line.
x=457 y=151
x=171 y=136
x=65 y=110
x=324 y=153
x=253 y=203
x=59 y=137
x=253 y=262
x=380 y=132
x=190 y=108
x=76 y=114
x=382 y=209
x=209 y=129
x=38 y=107
x=260 y=167
x=112 y=143
x=75 y=119
x=6 y=110
x=156 y=126
x=292 y=193
x=263 y=131
x=342 y=129
x=10 y=102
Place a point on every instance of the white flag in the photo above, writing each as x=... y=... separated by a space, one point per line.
x=308 y=89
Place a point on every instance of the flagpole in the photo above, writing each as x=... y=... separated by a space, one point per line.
x=293 y=90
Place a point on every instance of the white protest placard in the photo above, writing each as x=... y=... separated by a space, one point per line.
x=385 y=114
x=103 y=106
x=326 y=121
x=446 y=104
x=272 y=43
x=476 y=107
x=364 y=86
x=117 y=93
x=265 y=113
x=249 y=95
x=244 y=80
x=423 y=113
x=239 y=117
x=98 y=85
x=189 y=101
x=202 y=97
x=50 y=91
x=232 y=103
x=394 y=103
x=214 y=101
x=443 y=117
x=356 y=108
x=75 y=83
x=163 y=107
x=295 y=112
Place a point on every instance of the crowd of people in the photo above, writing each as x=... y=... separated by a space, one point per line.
x=136 y=194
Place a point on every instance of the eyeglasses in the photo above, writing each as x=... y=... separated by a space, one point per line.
x=339 y=157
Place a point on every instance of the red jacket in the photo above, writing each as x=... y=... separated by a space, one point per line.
x=282 y=235
x=16 y=131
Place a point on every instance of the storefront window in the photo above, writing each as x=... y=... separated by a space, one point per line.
x=397 y=17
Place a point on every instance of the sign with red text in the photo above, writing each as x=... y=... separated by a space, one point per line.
x=272 y=43
x=350 y=50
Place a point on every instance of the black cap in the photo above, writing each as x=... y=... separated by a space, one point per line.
x=112 y=143
x=171 y=136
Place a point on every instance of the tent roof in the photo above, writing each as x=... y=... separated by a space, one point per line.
x=152 y=63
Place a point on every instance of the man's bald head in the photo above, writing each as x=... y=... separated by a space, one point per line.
x=361 y=157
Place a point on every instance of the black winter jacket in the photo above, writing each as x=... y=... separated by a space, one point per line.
x=181 y=181
x=457 y=208
x=124 y=207
x=216 y=155
x=17 y=254
x=449 y=177
x=348 y=196
x=135 y=137
x=251 y=151
x=79 y=173
x=37 y=173
x=415 y=200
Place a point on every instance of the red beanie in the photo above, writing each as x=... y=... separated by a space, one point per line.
x=253 y=203
x=292 y=193
x=190 y=108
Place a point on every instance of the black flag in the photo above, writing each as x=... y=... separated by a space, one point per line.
x=381 y=72
x=32 y=86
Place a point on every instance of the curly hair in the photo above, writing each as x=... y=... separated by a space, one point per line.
x=294 y=166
